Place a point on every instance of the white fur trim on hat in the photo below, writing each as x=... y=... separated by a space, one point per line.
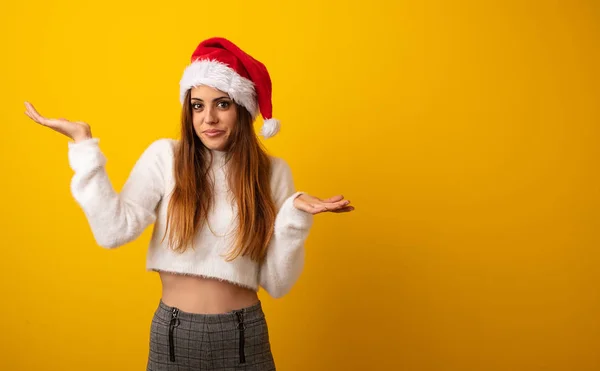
x=222 y=77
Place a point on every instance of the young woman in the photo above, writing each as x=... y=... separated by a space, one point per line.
x=227 y=218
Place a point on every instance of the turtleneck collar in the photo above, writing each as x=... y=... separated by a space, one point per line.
x=219 y=157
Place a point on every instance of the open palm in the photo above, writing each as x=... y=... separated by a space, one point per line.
x=314 y=205
x=76 y=130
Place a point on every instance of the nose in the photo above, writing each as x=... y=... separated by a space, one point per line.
x=210 y=116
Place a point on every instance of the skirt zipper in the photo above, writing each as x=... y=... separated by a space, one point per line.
x=242 y=328
x=174 y=323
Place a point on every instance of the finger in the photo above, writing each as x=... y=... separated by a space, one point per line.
x=344 y=210
x=29 y=112
x=29 y=106
x=34 y=115
x=60 y=126
x=31 y=109
x=337 y=205
x=334 y=199
x=30 y=115
x=51 y=123
x=37 y=119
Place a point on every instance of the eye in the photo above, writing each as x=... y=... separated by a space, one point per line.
x=196 y=106
x=223 y=104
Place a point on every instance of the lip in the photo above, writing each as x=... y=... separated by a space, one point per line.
x=213 y=132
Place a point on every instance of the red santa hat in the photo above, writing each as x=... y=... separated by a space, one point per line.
x=219 y=63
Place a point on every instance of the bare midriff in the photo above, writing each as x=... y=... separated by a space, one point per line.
x=203 y=295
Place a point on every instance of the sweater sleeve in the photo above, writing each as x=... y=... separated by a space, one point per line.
x=284 y=260
x=117 y=218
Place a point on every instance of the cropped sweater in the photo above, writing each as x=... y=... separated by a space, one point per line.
x=117 y=218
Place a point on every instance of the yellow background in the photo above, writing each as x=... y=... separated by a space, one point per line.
x=465 y=133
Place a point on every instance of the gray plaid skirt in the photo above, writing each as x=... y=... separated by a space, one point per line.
x=182 y=341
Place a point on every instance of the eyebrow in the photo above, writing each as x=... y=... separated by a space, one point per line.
x=214 y=100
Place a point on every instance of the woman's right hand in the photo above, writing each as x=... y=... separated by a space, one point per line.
x=77 y=130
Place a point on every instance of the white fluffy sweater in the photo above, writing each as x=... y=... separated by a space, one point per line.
x=118 y=218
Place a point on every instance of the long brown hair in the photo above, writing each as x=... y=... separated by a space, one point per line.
x=248 y=175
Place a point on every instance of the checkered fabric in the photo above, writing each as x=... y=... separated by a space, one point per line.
x=181 y=341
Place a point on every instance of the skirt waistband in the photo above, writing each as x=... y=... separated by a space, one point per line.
x=250 y=314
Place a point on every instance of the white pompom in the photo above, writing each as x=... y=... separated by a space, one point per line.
x=270 y=128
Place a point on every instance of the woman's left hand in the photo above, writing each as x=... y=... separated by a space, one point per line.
x=314 y=205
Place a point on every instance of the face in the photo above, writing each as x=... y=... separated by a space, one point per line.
x=214 y=115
